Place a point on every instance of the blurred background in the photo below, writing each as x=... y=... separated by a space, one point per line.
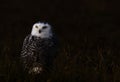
x=88 y=31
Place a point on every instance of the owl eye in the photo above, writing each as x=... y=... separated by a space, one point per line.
x=44 y=27
x=36 y=26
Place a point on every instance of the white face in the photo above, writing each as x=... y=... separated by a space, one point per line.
x=42 y=30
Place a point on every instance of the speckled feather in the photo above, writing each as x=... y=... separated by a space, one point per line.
x=38 y=52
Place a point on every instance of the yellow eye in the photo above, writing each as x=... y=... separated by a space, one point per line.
x=36 y=26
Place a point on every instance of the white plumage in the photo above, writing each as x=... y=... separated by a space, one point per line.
x=39 y=49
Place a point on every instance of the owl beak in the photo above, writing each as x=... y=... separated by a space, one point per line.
x=40 y=31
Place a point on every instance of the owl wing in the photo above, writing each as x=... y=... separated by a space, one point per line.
x=25 y=46
x=48 y=50
x=28 y=52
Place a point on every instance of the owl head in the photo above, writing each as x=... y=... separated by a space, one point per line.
x=42 y=30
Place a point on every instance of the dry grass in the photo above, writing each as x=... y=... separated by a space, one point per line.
x=83 y=62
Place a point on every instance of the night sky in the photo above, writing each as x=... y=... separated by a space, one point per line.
x=88 y=32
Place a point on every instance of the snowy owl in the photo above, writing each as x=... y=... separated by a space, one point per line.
x=39 y=48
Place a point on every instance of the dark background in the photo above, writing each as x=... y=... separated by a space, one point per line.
x=88 y=31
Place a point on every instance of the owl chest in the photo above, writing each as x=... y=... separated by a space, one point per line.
x=37 y=45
